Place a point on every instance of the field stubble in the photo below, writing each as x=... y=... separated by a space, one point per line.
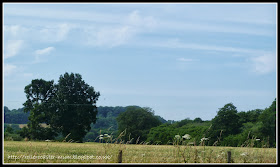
x=64 y=152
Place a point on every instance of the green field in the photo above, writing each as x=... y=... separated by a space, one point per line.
x=63 y=152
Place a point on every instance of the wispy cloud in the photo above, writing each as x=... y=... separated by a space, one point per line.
x=12 y=47
x=13 y=30
x=63 y=14
x=137 y=20
x=115 y=35
x=186 y=92
x=108 y=36
x=40 y=53
x=9 y=69
x=212 y=27
x=261 y=61
x=44 y=33
x=251 y=19
x=176 y=43
x=186 y=60
x=264 y=64
x=44 y=51
x=104 y=29
x=55 y=33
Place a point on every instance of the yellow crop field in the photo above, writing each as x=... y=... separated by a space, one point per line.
x=64 y=152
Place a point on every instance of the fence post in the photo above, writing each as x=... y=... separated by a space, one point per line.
x=229 y=157
x=120 y=157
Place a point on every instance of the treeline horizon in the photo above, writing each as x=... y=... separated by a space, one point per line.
x=69 y=107
x=246 y=125
x=13 y=114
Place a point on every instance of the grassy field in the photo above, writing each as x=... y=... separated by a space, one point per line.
x=63 y=152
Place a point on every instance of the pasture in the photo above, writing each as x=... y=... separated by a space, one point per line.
x=90 y=152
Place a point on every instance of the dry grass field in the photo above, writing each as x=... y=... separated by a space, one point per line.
x=64 y=152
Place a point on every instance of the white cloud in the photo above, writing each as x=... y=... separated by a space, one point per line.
x=64 y=14
x=55 y=33
x=44 y=51
x=44 y=33
x=176 y=92
x=116 y=35
x=12 y=47
x=40 y=53
x=108 y=36
x=225 y=18
x=186 y=60
x=9 y=69
x=176 y=43
x=135 y=19
x=264 y=64
x=12 y=30
x=15 y=32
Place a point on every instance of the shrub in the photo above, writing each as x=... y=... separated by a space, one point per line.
x=12 y=137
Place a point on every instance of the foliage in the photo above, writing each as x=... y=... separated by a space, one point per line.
x=39 y=96
x=136 y=122
x=11 y=134
x=9 y=129
x=249 y=116
x=252 y=128
x=227 y=121
x=68 y=107
x=105 y=123
x=12 y=137
x=76 y=106
x=15 y=116
x=268 y=120
x=164 y=134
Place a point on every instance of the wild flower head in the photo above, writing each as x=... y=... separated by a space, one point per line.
x=203 y=139
x=244 y=154
x=186 y=136
x=105 y=136
x=177 y=137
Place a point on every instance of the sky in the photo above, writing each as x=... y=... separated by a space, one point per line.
x=183 y=60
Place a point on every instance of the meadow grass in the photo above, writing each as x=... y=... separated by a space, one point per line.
x=91 y=152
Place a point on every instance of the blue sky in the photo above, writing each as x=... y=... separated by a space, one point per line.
x=184 y=60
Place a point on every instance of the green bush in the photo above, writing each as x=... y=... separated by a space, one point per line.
x=90 y=137
x=12 y=137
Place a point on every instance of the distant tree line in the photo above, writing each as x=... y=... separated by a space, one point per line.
x=15 y=116
x=228 y=128
x=106 y=122
x=68 y=109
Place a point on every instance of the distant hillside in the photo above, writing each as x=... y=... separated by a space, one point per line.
x=106 y=120
x=15 y=116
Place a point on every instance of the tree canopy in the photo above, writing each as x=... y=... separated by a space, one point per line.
x=69 y=107
x=137 y=122
x=268 y=123
x=227 y=121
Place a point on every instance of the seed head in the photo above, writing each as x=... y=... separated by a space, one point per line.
x=186 y=136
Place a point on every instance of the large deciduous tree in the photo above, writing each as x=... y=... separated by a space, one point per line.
x=227 y=121
x=67 y=107
x=39 y=95
x=268 y=123
x=76 y=103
